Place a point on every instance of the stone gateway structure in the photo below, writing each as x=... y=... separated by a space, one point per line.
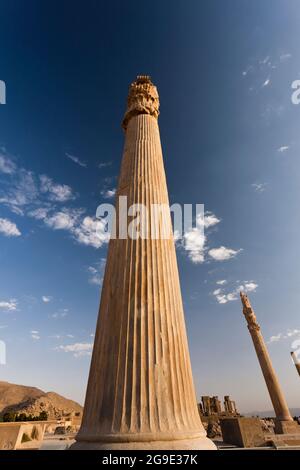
x=140 y=392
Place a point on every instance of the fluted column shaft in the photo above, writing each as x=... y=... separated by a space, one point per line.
x=140 y=384
x=277 y=397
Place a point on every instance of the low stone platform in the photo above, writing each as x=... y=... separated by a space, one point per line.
x=242 y=432
x=22 y=435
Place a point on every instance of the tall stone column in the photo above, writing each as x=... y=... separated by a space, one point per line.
x=284 y=422
x=140 y=392
x=296 y=362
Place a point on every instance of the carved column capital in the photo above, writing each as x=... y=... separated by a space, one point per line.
x=142 y=99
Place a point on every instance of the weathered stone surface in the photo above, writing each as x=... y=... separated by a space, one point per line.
x=296 y=361
x=242 y=432
x=140 y=392
x=25 y=435
x=286 y=427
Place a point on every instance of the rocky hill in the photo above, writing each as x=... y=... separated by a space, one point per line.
x=32 y=400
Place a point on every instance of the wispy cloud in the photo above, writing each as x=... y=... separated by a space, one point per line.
x=19 y=192
x=96 y=272
x=7 y=165
x=77 y=349
x=266 y=82
x=285 y=57
x=221 y=282
x=62 y=313
x=57 y=192
x=46 y=298
x=64 y=219
x=283 y=148
x=259 y=187
x=223 y=296
x=8 y=228
x=76 y=160
x=104 y=164
x=108 y=193
x=8 y=305
x=35 y=335
x=284 y=335
x=24 y=193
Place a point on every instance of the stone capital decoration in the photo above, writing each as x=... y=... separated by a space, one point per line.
x=142 y=99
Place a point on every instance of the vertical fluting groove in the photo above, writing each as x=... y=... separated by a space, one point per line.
x=160 y=200
x=154 y=304
x=127 y=307
x=177 y=388
x=161 y=314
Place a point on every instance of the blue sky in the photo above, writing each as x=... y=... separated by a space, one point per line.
x=230 y=137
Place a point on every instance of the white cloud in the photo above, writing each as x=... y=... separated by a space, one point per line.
x=57 y=192
x=40 y=213
x=7 y=166
x=8 y=305
x=266 y=82
x=76 y=160
x=223 y=297
x=275 y=338
x=62 y=313
x=283 y=148
x=104 y=164
x=265 y=60
x=209 y=220
x=19 y=193
x=35 y=335
x=282 y=336
x=108 y=193
x=217 y=291
x=8 y=228
x=96 y=272
x=194 y=240
x=285 y=57
x=248 y=286
x=222 y=282
x=91 y=232
x=259 y=187
x=64 y=219
x=222 y=253
x=46 y=298
x=78 y=349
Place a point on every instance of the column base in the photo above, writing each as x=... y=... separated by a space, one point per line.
x=286 y=427
x=201 y=443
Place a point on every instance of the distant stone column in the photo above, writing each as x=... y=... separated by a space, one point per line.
x=284 y=422
x=228 y=405
x=140 y=392
x=296 y=362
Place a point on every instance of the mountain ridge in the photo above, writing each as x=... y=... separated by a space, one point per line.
x=32 y=400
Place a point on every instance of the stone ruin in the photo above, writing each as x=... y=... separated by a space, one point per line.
x=212 y=406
